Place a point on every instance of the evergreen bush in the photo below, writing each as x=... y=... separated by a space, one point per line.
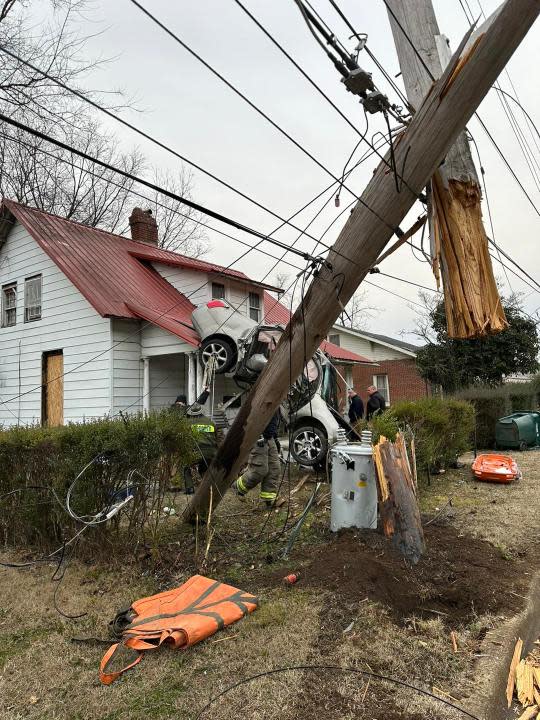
x=442 y=428
x=149 y=450
x=492 y=403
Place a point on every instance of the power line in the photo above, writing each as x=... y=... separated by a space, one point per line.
x=508 y=95
x=152 y=186
x=421 y=59
x=147 y=136
x=259 y=111
x=183 y=158
x=151 y=201
x=504 y=159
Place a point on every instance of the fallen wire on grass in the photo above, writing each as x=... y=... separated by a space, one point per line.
x=339 y=668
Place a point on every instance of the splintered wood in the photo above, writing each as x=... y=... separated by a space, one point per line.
x=400 y=513
x=460 y=255
x=524 y=682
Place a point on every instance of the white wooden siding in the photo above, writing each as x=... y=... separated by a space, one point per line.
x=370 y=349
x=155 y=341
x=167 y=380
x=68 y=323
x=127 y=370
x=197 y=286
x=192 y=283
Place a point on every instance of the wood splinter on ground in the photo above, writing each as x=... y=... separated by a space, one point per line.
x=400 y=513
x=524 y=681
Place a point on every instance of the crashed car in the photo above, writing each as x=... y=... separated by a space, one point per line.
x=242 y=347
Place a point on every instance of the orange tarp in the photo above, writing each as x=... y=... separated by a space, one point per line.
x=181 y=617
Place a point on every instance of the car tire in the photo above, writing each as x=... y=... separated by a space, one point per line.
x=309 y=446
x=222 y=349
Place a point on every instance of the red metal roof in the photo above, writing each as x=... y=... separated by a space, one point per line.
x=114 y=273
x=277 y=313
x=102 y=267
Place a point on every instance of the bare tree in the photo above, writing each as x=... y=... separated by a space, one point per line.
x=180 y=227
x=358 y=312
x=42 y=175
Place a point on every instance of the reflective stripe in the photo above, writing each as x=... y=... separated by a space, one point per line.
x=240 y=485
x=203 y=428
x=268 y=495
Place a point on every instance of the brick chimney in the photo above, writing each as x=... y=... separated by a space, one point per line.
x=143 y=226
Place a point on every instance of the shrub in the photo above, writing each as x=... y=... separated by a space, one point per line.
x=51 y=458
x=442 y=429
x=490 y=404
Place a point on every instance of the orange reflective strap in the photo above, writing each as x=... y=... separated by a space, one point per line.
x=107 y=678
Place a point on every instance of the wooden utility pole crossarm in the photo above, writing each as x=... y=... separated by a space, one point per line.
x=434 y=128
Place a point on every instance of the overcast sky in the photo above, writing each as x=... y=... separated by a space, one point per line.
x=182 y=104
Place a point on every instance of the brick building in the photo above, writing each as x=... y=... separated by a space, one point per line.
x=394 y=374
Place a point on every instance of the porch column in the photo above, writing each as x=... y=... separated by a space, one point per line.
x=199 y=374
x=192 y=378
x=146 y=385
x=348 y=376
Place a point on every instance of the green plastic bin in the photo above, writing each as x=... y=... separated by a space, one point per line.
x=519 y=430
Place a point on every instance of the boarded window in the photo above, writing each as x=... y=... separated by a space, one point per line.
x=335 y=339
x=255 y=306
x=9 y=305
x=52 y=391
x=218 y=291
x=381 y=383
x=32 y=299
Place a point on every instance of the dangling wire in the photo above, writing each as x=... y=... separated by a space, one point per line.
x=342 y=178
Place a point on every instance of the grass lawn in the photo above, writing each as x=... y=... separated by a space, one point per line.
x=357 y=604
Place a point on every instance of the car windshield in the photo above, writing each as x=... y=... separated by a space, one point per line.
x=305 y=386
x=265 y=341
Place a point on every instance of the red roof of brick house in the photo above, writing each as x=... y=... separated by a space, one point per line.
x=277 y=313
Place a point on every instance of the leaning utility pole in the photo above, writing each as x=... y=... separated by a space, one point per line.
x=382 y=206
x=459 y=241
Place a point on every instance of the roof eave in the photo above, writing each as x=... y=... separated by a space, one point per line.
x=375 y=340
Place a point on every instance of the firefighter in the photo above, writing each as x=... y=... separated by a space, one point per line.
x=263 y=465
x=205 y=433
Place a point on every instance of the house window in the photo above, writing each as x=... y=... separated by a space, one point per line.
x=9 y=305
x=381 y=383
x=335 y=339
x=255 y=306
x=32 y=299
x=218 y=291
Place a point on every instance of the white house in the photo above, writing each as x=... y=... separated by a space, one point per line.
x=95 y=324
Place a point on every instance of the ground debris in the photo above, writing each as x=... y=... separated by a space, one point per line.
x=524 y=681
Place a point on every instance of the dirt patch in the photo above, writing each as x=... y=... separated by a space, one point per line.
x=460 y=577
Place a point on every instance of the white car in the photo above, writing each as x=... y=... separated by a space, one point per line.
x=242 y=348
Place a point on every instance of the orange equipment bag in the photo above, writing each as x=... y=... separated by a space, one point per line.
x=181 y=617
x=492 y=467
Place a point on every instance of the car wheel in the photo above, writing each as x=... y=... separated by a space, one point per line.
x=309 y=446
x=222 y=350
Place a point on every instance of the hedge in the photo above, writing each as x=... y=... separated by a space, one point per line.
x=50 y=458
x=442 y=428
x=490 y=404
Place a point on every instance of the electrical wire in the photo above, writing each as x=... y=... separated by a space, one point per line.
x=152 y=186
x=260 y=112
x=490 y=136
x=522 y=141
x=146 y=135
x=147 y=324
x=334 y=668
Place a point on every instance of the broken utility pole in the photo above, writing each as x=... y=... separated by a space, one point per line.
x=435 y=126
x=459 y=241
